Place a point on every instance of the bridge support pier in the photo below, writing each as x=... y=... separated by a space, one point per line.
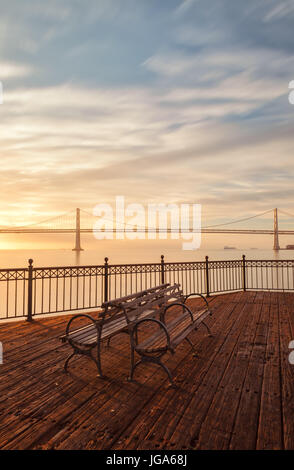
x=78 y=232
x=276 y=231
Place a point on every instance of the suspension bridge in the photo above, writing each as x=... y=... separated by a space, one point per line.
x=79 y=221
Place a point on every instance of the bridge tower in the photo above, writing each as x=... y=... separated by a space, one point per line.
x=276 y=230
x=78 y=232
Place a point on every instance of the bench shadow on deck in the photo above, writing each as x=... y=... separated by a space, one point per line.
x=238 y=394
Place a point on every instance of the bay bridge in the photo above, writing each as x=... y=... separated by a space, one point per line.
x=79 y=221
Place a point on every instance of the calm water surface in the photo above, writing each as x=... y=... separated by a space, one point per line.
x=66 y=293
x=67 y=257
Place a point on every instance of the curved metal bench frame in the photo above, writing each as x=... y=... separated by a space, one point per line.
x=83 y=349
x=155 y=357
x=152 y=295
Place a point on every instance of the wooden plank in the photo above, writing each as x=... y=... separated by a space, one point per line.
x=245 y=429
x=269 y=436
x=217 y=426
x=41 y=407
x=49 y=402
x=287 y=371
x=176 y=402
x=119 y=414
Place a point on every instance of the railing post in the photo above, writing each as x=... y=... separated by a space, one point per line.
x=106 y=279
x=244 y=272
x=30 y=291
x=162 y=269
x=207 y=276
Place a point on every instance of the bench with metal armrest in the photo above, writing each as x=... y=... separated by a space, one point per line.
x=117 y=316
x=168 y=335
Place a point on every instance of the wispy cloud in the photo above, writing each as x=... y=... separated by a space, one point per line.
x=10 y=70
x=283 y=9
x=174 y=101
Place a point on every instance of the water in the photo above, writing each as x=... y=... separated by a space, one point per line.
x=75 y=290
x=123 y=254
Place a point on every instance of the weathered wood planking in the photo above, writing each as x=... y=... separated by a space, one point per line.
x=237 y=394
x=270 y=416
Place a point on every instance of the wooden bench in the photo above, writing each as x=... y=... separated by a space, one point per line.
x=169 y=334
x=117 y=316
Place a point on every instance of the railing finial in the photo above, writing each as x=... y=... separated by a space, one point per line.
x=162 y=270
x=244 y=272
x=207 y=277
x=106 y=279
x=30 y=291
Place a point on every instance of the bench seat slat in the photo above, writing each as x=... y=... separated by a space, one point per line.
x=177 y=329
x=158 y=339
x=88 y=334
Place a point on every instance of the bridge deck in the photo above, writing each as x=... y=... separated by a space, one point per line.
x=239 y=393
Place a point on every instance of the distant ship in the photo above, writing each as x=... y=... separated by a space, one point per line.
x=229 y=248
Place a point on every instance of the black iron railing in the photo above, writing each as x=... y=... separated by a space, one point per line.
x=31 y=291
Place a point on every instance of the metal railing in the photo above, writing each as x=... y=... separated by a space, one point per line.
x=31 y=291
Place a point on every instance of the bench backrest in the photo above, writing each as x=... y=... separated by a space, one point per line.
x=134 y=296
x=133 y=306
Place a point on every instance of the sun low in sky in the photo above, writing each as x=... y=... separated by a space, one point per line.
x=160 y=101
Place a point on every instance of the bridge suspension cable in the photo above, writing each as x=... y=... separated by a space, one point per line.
x=286 y=213
x=67 y=223
x=60 y=218
x=239 y=220
x=204 y=227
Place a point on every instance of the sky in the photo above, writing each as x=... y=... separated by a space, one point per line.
x=159 y=101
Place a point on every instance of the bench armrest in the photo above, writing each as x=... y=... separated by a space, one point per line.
x=97 y=324
x=185 y=307
x=154 y=320
x=200 y=295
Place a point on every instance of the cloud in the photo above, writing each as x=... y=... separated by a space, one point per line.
x=169 y=102
x=283 y=9
x=185 y=6
x=10 y=70
x=104 y=142
x=220 y=64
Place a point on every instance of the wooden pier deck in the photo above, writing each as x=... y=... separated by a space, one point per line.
x=238 y=394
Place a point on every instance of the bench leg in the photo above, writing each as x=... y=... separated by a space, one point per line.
x=130 y=378
x=68 y=359
x=164 y=367
x=157 y=361
x=132 y=365
x=85 y=353
x=207 y=327
x=154 y=360
x=98 y=360
x=195 y=354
